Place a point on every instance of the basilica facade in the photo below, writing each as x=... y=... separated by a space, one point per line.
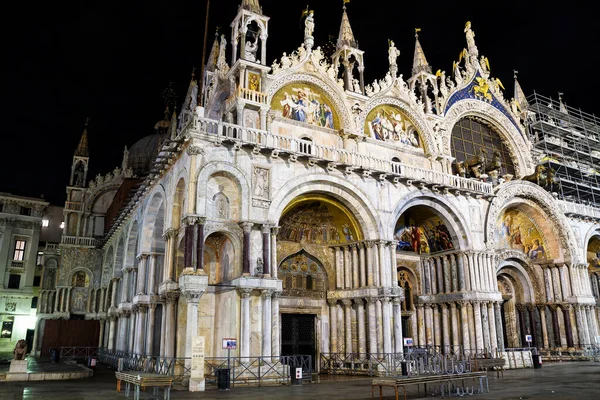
x=301 y=210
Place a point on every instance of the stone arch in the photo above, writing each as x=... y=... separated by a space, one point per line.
x=132 y=245
x=178 y=208
x=408 y=280
x=84 y=269
x=226 y=247
x=235 y=174
x=514 y=192
x=516 y=141
x=343 y=191
x=303 y=275
x=449 y=214
x=518 y=273
x=423 y=130
x=119 y=257
x=594 y=231
x=153 y=224
x=336 y=94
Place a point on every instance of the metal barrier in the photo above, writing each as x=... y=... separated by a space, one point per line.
x=244 y=370
x=73 y=353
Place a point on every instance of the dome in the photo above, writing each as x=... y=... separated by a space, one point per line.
x=143 y=153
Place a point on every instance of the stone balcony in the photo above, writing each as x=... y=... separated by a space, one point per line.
x=579 y=210
x=79 y=241
x=17 y=265
x=249 y=95
x=334 y=158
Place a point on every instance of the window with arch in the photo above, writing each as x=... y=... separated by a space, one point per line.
x=305 y=145
x=470 y=137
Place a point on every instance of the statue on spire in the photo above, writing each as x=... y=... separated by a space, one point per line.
x=471 y=48
x=393 y=54
x=309 y=28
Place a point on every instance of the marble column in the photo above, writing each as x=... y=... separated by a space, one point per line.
x=188 y=242
x=545 y=341
x=333 y=336
x=425 y=273
x=150 y=330
x=339 y=268
x=200 y=243
x=453 y=272
x=132 y=323
x=421 y=325
x=163 y=329
x=428 y=325
x=141 y=329
x=387 y=331
x=555 y=325
x=461 y=272
x=275 y=320
x=383 y=270
x=493 y=333
x=266 y=322
x=440 y=275
x=481 y=264
x=151 y=289
x=532 y=318
x=112 y=333
x=478 y=326
x=432 y=274
x=437 y=329
x=485 y=324
x=567 y=316
x=266 y=233
x=247 y=229
x=362 y=265
x=101 y=338
x=447 y=275
x=445 y=329
x=590 y=323
x=348 y=324
x=355 y=267
x=454 y=326
x=464 y=319
x=141 y=275
x=125 y=282
x=347 y=267
x=564 y=282
x=370 y=264
x=341 y=328
x=472 y=330
x=398 y=339
x=360 y=321
x=472 y=272
x=274 y=272
x=124 y=331
x=372 y=318
x=499 y=325
x=393 y=266
x=171 y=331
x=245 y=324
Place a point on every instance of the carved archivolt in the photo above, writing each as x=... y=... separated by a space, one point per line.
x=333 y=93
x=507 y=193
x=515 y=141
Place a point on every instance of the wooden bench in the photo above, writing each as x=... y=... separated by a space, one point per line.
x=427 y=379
x=486 y=364
x=144 y=380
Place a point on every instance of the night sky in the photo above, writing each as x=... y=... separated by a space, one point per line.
x=112 y=61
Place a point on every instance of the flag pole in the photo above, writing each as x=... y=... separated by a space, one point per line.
x=201 y=78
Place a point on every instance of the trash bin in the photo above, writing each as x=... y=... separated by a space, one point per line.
x=54 y=355
x=91 y=362
x=404 y=366
x=537 y=361
x=223 y=378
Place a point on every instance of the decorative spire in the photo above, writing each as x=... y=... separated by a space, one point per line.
x=214 y=54
x=252 y=5
x=346 y=37
x=82 y=148
x=420 y=63
x=519 y=94
x=562 y=108
x=172 y=132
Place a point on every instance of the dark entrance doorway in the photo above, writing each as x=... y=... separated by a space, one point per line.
x=29 y=339
x=298 y=335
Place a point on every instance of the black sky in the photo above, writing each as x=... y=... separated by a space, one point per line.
x=111 y=62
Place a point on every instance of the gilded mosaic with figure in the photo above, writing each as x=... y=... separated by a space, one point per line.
x=318 y=221
x=429 y=236
x=307 y=103
x=388 y=123
x=516 y=231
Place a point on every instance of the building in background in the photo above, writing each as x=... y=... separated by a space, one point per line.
x=28 y=226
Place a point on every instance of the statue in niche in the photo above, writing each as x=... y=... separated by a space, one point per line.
x=49 y=279
x=221 y=203
x=261 y=183
x=79 y=279
x=356 y=85
x=251 y=48
x=78 y=174
x=78 y=302
x=221 y=61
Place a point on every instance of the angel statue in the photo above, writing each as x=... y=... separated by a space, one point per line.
x=309 y=23
x=472 y=49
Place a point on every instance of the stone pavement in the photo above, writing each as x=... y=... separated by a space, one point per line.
x=559 y=381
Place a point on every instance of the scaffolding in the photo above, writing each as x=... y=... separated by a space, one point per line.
x=566 y=140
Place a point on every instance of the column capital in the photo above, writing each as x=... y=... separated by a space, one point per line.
x=463 y=303
x=541 y=306
x=565 y=306
x=521 y=306
x=142 y=256
x=266 y=293
x=332 y=302
x=171 y=297
x=553 y=307
x=275 y=295
x=397 y=301
x=245 y=292
x=359 y=302
x=246 y=226
x=266 y=228
x=347 y=302
x=192 y=296
x=275 y=230
x=189 y=220
x=369 y=243
x=443 y=306
x=371 y=300
x=452 y=305
x=531 y=307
